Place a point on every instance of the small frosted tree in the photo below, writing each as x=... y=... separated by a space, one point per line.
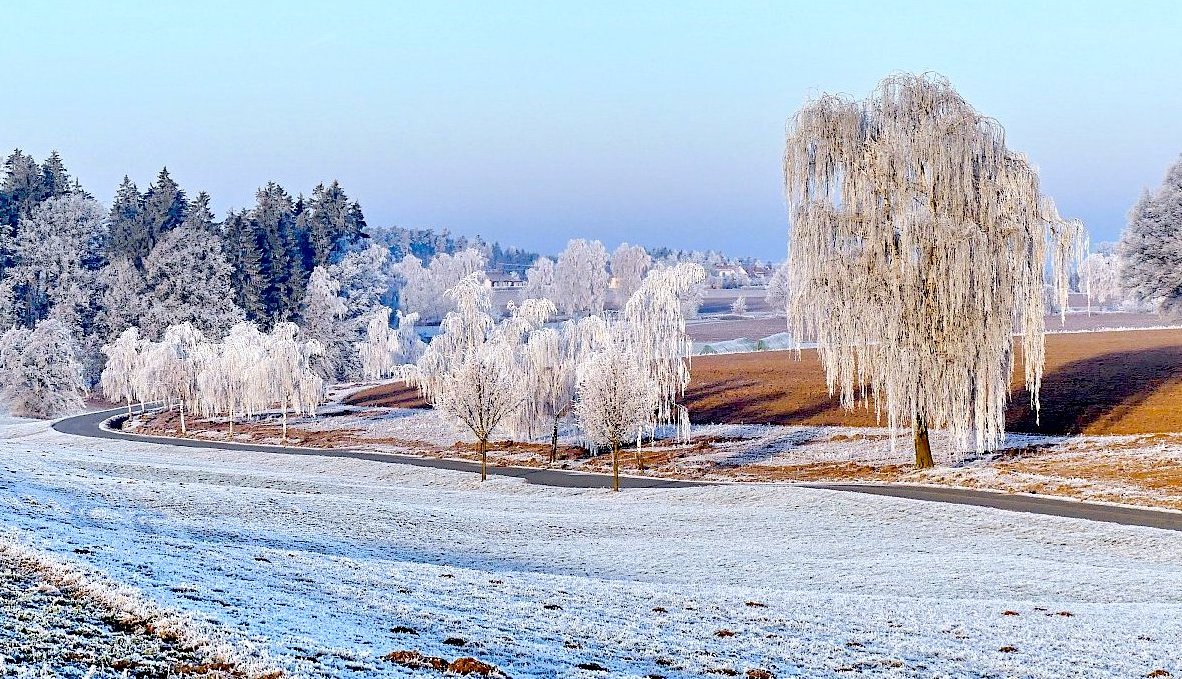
x=170 y=369
x=386 y=349
x=581 y=278
x=617 y=401
x=629 y=264
x=119 y=380
x=1100 y=274
x=917 y=250
x=1151 y=246
x=470 y=371
x=286 y=377
x=777 y=290
x=739 y=306
x=40 y=373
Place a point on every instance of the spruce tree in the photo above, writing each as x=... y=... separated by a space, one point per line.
x=127 y=236
x=22 y=183
x=1151 y=246
x=55 y=179
x=17 y=196
x=164 y=209
x=274 y=221
x=241 y=246
x=329 y=223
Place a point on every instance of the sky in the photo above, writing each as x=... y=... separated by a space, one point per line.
x=534 y=122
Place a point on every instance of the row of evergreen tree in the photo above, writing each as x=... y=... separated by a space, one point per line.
x=271 y=248
x=158 y=256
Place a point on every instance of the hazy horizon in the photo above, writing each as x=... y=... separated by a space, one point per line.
x=659 y=125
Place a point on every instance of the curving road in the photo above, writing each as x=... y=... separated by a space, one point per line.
x=89 y=425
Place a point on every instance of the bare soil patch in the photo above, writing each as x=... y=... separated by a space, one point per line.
x=395 y=395
x=1117 y=382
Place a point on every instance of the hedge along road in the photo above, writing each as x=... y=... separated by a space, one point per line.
x=90 y=425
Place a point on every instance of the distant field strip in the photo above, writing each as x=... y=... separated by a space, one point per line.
x=1119 y=382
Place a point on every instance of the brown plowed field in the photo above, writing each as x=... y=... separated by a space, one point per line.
x=1126 y=382
x=395 y=395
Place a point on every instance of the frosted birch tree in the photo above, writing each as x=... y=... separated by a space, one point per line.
x=322 y=318
x=226 y=371
x=917 y=248
x=1151 y=246
x=1100 y=273
x=655 y=325
x=617 y=400
x=549 y=371
x=119 y=379
x=229 y=384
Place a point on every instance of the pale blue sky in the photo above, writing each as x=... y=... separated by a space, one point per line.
x=532 y=122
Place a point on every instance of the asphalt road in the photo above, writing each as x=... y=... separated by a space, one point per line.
x=88 y=424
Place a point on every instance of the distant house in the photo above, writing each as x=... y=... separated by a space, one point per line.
x=499 y=280
x=760 y=272
x=730 y=272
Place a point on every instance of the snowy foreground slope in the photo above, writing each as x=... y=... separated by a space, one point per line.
x=318 y=559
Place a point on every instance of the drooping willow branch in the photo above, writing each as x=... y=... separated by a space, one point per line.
x=918 y=247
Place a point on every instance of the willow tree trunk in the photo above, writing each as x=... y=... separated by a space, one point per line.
x=639 y=460
x=483 y=459
x=616 y=467
x=184 y=430
x=554 y=443
x=923 y=447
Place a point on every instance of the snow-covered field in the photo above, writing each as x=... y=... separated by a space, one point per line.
x=319 y=559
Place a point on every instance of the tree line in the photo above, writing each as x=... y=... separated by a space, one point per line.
x=159 y=257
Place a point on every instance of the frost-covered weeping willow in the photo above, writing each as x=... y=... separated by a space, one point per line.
x=655 y=324
x=386 y=350
x=245 y=373
x=472 y=370
x=918 y=247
